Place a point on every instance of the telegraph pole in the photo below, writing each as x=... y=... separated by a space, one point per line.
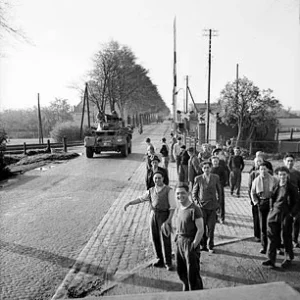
x=41 y=141
x=187 y=94
x=174 y=95
x=86 y=94
x=237 y=83
x=211 y=33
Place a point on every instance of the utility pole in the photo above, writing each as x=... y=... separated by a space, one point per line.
x=82 y=116
x=185 y=107
x=211 y=33
x=187 y=95
x=237 y=83
x=41 y=141
x=86 y=94
x=174 y=95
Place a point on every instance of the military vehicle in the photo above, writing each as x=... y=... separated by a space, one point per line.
x=110 y=135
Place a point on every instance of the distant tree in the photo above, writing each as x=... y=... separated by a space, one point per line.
x=20 y=122
x=58 y=111
x=118 y=81
x=251 y=110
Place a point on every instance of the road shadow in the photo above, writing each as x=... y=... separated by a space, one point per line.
x=240 y=255
x=230 y=278
x=17 y=178
x=113 y=155
x=152 y=283
x=234 y=224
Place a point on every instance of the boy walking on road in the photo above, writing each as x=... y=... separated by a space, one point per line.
x=194 y=168
x=294 y=176
x=189 y=231
x=164 y=151
x=162 y=205
x=221 y=171
x=283 y=207
x=261 y=192
x=207 y=192
x=236 y=166
x=176 y=153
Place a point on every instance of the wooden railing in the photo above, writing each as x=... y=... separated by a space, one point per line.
x=23 y=148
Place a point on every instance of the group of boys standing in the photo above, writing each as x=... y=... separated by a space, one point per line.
x=204 y=176
x=275 y=207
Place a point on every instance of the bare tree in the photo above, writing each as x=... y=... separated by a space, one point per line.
x=5 y=24
x=118 y=81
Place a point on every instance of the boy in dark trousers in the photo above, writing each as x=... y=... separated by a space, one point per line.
x=206 y=193
x=221 y=171
x=189 y=231
x=236 y=166
x=283 y=207
x=294 y=177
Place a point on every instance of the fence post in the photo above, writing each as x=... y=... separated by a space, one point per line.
x=279 y=146
x=277 y=134
x=48 y=146
x=24 y=148
x=65 y=144
x=291 y=134
x=250 y=148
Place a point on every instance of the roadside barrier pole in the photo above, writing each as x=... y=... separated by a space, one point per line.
x=24 y=148
x=65 y=144
x=48 y=146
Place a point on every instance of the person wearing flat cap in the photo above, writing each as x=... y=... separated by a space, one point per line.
x=154 y=168
x=162 y=206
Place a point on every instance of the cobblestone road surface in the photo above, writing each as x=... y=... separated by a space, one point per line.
x=47 y=217
x=121 y=242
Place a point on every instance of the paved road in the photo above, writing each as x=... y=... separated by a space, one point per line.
x=49 y=215
x=120 y=244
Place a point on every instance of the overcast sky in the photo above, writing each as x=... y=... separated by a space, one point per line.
x=262 y=36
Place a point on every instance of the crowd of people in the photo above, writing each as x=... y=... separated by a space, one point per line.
x=275 y=207
x=198 y=202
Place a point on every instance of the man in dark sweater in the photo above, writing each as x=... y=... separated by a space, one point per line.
x=206 y=193
x=189 y=231
x=183 y=167
x=236 y=166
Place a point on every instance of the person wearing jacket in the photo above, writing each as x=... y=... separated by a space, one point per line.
x=261 y=192
x=256 y=227
x=218 y=169
x=194 y=168
x=283 y=207
x=294 y=177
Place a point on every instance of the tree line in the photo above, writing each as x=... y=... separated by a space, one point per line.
x=253 y=111
x=118 y=82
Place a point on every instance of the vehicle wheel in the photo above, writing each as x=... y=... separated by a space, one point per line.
x=89 y=152
x=124 y=150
